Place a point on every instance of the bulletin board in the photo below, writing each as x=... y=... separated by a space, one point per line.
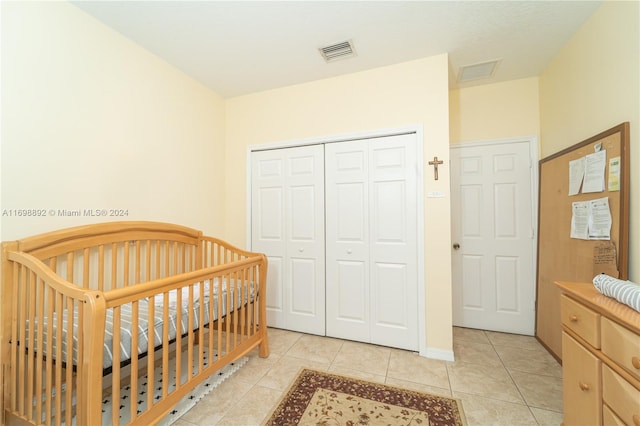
x=561 y=255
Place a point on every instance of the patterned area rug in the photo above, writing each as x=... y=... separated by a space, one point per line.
x=185 y=403
x=319 y=398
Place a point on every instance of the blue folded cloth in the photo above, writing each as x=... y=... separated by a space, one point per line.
x=626 y=292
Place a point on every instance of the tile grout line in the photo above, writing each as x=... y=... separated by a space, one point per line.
x=527 y=404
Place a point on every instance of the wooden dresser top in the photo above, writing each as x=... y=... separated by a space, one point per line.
x=589 y=296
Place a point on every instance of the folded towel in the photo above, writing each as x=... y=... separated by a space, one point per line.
x=626 y=292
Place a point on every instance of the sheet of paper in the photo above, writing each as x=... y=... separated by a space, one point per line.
x=599 y=219
x=605 y=259
x=576 y=174
x=614 y=174
x=580 y=220
x=594 y=172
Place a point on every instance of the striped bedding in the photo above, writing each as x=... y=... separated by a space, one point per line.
x=126 y=322
x=625 y=292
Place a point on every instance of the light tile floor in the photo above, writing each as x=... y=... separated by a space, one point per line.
x=502 y=379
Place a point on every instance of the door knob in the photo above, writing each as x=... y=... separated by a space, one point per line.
x=456 y=246
x=349 y=251
x=301 y=249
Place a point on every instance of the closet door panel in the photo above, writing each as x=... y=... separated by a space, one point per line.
x=388 y=295
x=275 y=296
x=268 y=227
x=303 y=292
x=394 y=290
x=351 y=284
x=347 y=240
x=287 y=221
x=305 y=239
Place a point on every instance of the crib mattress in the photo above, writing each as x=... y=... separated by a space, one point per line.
x=126 y=322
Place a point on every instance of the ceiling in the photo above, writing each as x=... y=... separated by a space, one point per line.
x=241 y=47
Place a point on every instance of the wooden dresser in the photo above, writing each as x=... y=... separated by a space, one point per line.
x=600 y=358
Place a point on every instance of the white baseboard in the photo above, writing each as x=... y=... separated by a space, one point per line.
x=440 y=354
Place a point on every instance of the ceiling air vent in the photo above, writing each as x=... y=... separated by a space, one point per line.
x=337 y=51
x=478 y=71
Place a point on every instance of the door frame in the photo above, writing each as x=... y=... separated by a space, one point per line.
x=534 y=150
x=415 y=129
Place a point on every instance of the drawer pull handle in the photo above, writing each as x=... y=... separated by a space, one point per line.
x=635 y=361
x=636 y=420
x=573 y=318
x=584 y=387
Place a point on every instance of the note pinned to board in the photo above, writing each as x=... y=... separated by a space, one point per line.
x=605 y=259
x=594 y=172
x=614 y=174
x=576 y=174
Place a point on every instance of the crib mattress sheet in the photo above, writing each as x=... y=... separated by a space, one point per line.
x=178 y=319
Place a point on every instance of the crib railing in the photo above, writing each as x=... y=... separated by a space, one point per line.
x=40 y=383
x=55 y=367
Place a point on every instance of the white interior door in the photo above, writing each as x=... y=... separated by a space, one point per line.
x=371 y=246
x=287 y=224
x=493 y=236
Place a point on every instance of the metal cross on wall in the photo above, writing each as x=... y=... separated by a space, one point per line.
x=435 y=164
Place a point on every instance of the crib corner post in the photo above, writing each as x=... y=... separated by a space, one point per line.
x=90 y=386
x=6 y=300
x=263 y=349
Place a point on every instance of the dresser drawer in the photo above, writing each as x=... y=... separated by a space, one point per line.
x=621 y=345
x=581 y=320
x=620 y=396
x=609 y=418
x=581 y=387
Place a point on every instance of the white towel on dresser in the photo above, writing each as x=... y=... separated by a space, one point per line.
x=626 y=292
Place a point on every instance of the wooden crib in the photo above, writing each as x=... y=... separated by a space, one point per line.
x=72 y=301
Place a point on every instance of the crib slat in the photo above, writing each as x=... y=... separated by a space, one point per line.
x=29 y=344
x=148 y=261
x=114 y=265
x=39 y=348
x=167 y=255
x=137 y=263
x=22 y=407
x=115 y=367
x=158 y=259
x=150 y=363
x=212 y=326
x=201 y=300
x=58 y=367
x=165 y=345
x=135 y=311
x=190 y=337
x=125 y=273
x=69 y=361
x=176 y=258
x=101 y=267
x=49 y=367
x=243 y=310
x=231 y=308
x=179 y=341
x=85 y=268
x=220 y=284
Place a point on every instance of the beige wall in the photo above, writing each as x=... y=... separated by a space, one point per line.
x=592 y=85
x=411 y=93
x=91 y=120
x=495 y=111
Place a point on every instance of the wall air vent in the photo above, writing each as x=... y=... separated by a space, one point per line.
x=337 y=51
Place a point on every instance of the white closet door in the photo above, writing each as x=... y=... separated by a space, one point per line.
x=371 y=198
x=347 y=240
x=287 y=224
